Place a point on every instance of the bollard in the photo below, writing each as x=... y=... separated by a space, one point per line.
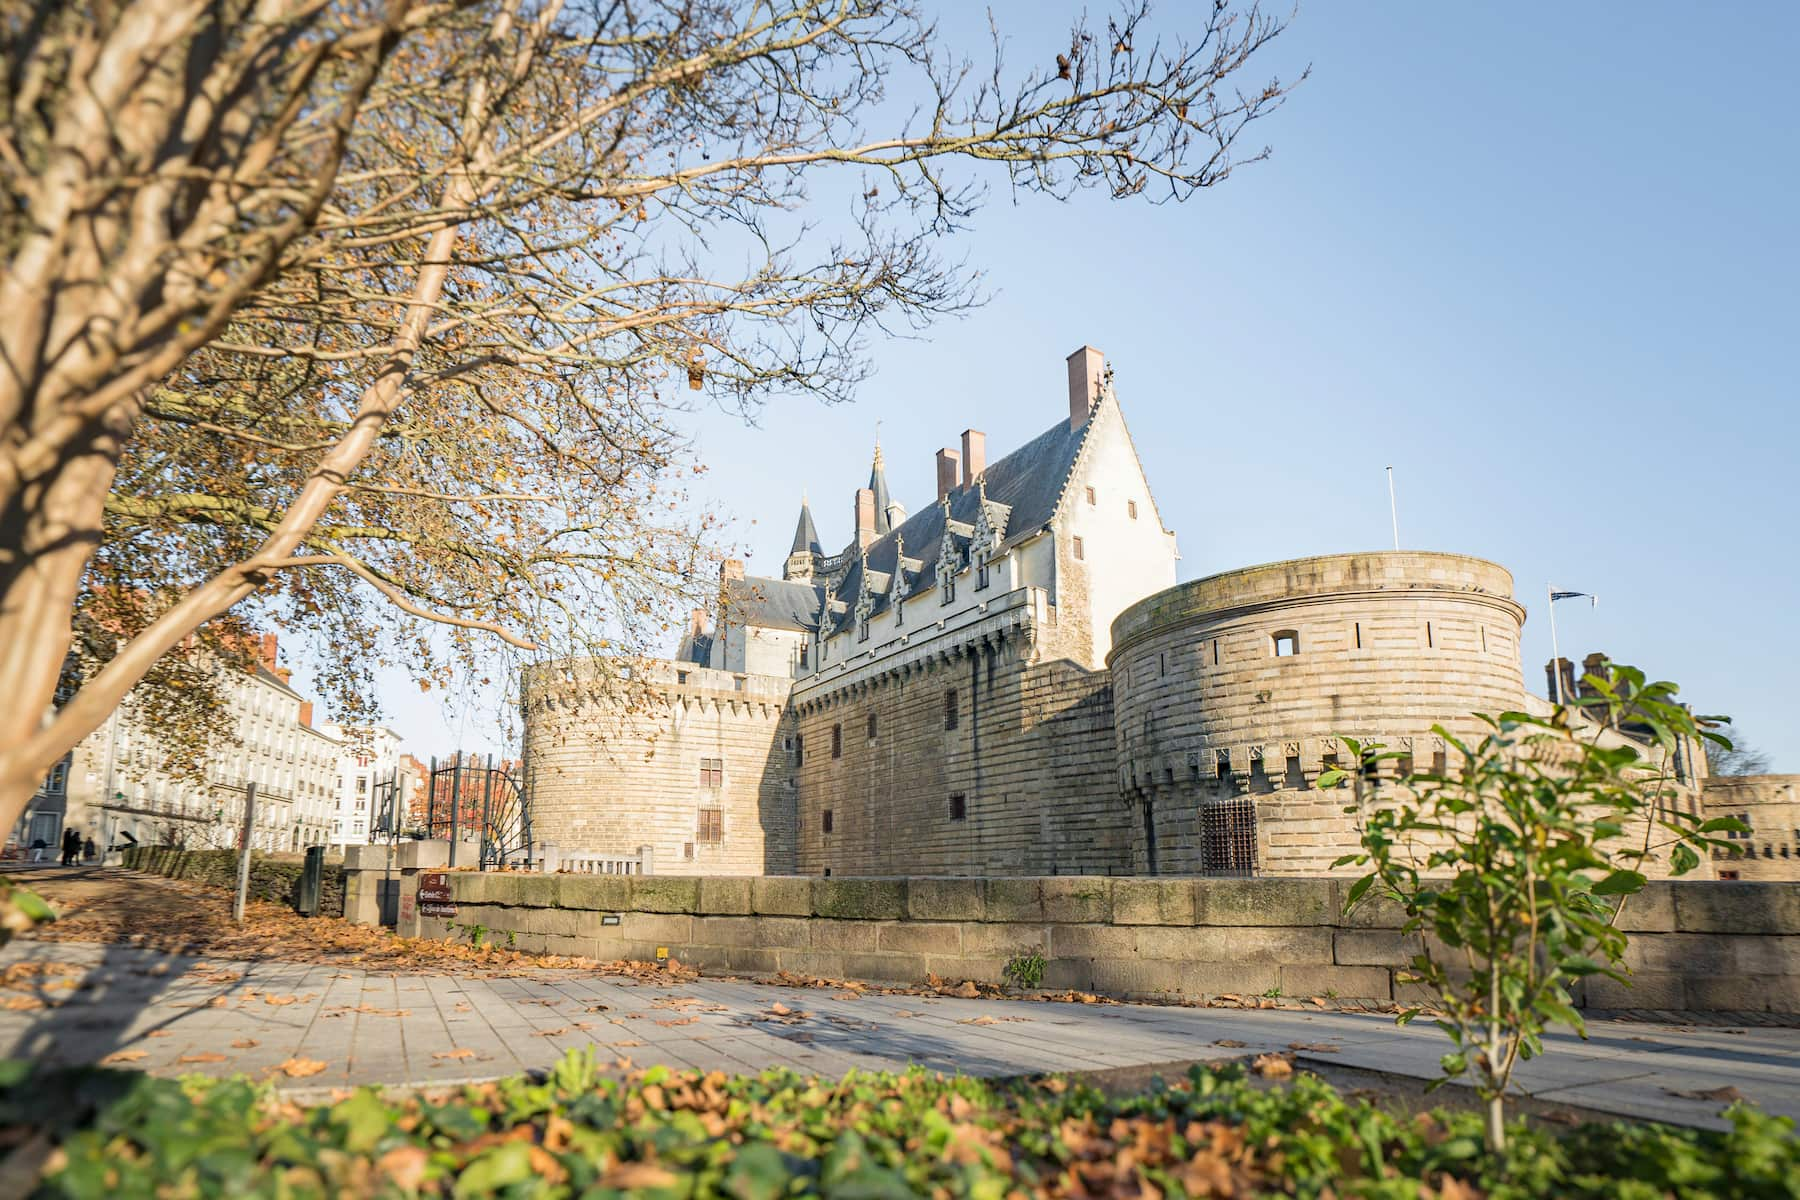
x=312 y=880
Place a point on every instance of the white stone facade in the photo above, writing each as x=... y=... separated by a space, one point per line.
x=365 y=772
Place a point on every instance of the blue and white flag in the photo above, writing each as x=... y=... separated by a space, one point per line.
x=1593 y=599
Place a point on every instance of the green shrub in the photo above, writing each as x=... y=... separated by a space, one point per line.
x=276 y=880
x=680 y=1134
x=1025 y=970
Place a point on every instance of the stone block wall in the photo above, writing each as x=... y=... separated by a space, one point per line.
x=272 y=878
x=1770 y=805
x=1701 y=946
x=1022 y=785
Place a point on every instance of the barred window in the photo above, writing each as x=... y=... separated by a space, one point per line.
x=1228 y=836
x=837 y=741
x=711 y=825
x=950 y=713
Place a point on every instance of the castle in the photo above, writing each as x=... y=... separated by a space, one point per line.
x=1010 y=682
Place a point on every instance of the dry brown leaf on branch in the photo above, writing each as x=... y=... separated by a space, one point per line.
x=300 y=1068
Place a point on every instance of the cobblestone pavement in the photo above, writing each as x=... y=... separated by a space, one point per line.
x=169 y=1015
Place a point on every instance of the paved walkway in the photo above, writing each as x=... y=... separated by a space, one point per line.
x=171 y=1015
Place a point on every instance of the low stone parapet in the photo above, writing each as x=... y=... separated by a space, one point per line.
x=1700 y=945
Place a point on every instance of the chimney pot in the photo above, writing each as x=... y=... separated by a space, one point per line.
x=865 y=517
x=974 y=456
x=267 y=649
x=947 y=463
x=306 y=713
x=1087 y=367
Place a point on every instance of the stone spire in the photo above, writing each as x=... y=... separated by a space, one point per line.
x=804 y=558
x=884 y=506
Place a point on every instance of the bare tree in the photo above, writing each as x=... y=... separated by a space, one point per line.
x=1735 y=756
x=379 y=311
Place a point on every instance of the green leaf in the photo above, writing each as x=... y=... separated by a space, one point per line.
x=1620 y=883
x=494 y=1169
x=1454 y=1064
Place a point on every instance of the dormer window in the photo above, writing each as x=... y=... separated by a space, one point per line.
x=862 y=630
x=981 y=576
x=949 y=588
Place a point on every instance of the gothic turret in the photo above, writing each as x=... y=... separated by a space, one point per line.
x=804 y=559
x=888 y=515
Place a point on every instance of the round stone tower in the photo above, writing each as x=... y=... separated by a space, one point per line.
x=1230 y=695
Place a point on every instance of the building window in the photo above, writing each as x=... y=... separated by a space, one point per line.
x=1287 y=644
x=1728 y=875
x=737 y=684
x=871 y=727
x=1091 y=498
x=837 y=741
x=805 y=647
x=1228 y=836
x=862 y=631
x=712 y=774
x=687 y=850
x=950 y=713
x=959 y=807
x=827 y=821
x=799 y=749
x=681 y=676
x=949 y=588
x=1131 y=509
x=711 y=825
x=1080 y=550
x=59 y=778
x=1430 y=642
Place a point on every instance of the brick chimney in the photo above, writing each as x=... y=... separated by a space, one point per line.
x=947 y=462
x=1087 y=367
x=865 y=517
x=266 y=650
x=731 y=568
x=306 y=713
x=974 y=456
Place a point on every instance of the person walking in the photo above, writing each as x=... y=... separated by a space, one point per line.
x=89 y=851
x=71 y=846
x=38 y=846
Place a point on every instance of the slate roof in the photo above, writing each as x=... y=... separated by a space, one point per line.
x=1028 y=484
x=806 y=535
x=773 y=603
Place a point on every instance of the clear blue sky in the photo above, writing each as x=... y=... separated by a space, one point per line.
x=1543 y=265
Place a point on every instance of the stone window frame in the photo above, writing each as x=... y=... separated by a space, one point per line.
x=712 y=772
x=952 y=710
x=959 y=806
x=1078 y=548
x=837 y=740
x=709 y=826
x=1131 y=509
x=826 y=824
x=1289 y=637
x=1092 y=496
x=872 y=726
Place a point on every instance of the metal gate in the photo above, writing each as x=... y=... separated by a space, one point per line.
x=465 y=793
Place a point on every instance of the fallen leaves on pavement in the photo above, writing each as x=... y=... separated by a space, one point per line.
x=1272 y=1066
x=300 y=1068
x=120 y=1057
x=204 y=1057
x=459 y=1052
x=1726 y=1095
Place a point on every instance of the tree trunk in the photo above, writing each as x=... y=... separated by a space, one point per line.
x=1496 y=1125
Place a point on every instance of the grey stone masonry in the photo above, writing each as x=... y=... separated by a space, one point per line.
x=1706 y=946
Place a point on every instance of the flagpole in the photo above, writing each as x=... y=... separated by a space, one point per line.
x=1555 y=651
x=1393 y=508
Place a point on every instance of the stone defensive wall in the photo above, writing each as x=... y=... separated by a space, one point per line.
x=1694 y=946
x=1231 y=694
